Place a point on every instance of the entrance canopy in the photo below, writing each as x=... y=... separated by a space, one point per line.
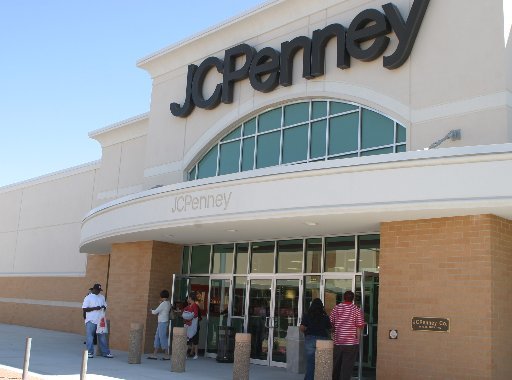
x=318 y=198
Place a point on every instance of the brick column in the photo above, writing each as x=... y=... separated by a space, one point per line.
x=458 y=268
x=138 y=272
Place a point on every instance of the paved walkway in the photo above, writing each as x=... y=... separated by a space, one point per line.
x=57 y=355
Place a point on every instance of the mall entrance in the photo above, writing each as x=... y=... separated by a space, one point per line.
x=256 y=297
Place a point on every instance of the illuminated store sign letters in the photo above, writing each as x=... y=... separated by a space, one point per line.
x=268 y=68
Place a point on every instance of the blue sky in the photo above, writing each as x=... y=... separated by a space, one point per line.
x=69 y=67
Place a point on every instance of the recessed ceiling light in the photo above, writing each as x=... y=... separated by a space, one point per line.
x=232 y=230
x=311 y=223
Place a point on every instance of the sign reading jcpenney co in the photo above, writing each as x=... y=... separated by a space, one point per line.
x=268 y=68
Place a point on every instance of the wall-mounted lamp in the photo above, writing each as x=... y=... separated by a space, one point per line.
x=454 y=135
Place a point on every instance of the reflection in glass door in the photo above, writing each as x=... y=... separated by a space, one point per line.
x=260 y=295
x=286 y=313
x=370 y=305
x=218 y=312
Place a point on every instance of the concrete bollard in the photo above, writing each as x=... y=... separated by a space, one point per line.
x=135 y=343
x=323 y=359
x=179 y=349
x=242 y=356
x=295 y=362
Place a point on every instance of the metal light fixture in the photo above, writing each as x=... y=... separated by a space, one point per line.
x=454 y=135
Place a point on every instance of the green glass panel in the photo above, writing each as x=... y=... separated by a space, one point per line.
x=343 y=156
x=222 y=259
x=311 y=291
x=333 y=292
x=269 y=120
x=262 y=260
x=207 y=167
x=337 y=107
x=192 y=174
x=268 y=149
x=369 y=252
x=318 y=142
x=340 y=254
x=343 y=133
x=400 y=148
x=289 y=256
x=200 y=261
x=319 y=109
x=239 y=287
x=248 y=154
x=295 y=144
x=400 y=133
x=242 y=258
x=229 y=157
x=233 y=135
x=184 y=264
x=313 y=256
x=296 y=113
x=250 y=127
x=376 y=130
x=377 y=151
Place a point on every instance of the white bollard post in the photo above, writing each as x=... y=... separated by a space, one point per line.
x=27 y=359
x=83 y=371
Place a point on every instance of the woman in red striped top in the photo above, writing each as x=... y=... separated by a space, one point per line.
x=347 y=321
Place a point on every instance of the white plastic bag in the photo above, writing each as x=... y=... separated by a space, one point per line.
x=102 y=324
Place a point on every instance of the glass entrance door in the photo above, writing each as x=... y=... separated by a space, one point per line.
x=274 y=304
x=218 y=312
x=370 y=306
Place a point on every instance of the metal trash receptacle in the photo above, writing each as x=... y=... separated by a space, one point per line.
x=226 y=344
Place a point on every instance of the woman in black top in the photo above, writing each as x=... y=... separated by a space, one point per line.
x=315 y=325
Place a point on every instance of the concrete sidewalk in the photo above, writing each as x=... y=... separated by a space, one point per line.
x=57 y=355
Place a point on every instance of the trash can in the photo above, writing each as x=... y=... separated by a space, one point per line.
x=226 y=344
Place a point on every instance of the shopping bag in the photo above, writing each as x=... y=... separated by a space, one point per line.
x=102 y=324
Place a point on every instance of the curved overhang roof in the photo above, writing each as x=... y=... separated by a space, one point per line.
x=346 y=196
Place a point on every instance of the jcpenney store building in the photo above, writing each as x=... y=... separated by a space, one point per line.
x=299 y=150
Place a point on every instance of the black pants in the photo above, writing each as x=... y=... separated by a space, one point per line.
x=343 y=360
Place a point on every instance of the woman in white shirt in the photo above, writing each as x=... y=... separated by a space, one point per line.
x=163 y=325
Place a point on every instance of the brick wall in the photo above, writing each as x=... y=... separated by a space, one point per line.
x=138 y=272
x=446 y=267
x=46 y=290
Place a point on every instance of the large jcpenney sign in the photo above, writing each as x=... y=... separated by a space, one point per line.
x=268 y=68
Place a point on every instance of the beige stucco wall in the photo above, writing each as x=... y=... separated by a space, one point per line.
x=458 y=76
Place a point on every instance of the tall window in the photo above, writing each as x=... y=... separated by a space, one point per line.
x=301 y=132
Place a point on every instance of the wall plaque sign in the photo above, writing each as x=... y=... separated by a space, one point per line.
x=434 y=324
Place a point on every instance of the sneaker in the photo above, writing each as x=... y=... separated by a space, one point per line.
x=195 y=357
x=110 y=356
x=91 y=356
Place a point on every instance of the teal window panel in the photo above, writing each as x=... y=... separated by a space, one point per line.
x=400 y=133
x=192 y=174
x=200 y=260
x=269 y=120
x=233 y=135
x=207 y=167
x=377 y=151
x=248 y=154
x=343 y=133
x=376 y=130
x=318 y=110
x=268 y=149
x=344 y=156
x=337 y=107
x=229 y=157
x=318 y=142
x=295 y=144
x=296 y=113
x=184 y=263
x=400 y=148
x=250 y=127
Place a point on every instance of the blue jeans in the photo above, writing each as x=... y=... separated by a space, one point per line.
x=161 y=336
x=90 y=329
x=310 y=349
